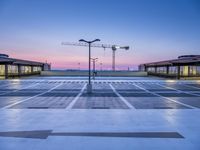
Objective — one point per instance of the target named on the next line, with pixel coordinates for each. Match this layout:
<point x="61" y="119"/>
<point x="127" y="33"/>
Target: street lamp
<point x="101" y="66"/>
<point x="89" y="85"/>
<point x="93" y="61"/>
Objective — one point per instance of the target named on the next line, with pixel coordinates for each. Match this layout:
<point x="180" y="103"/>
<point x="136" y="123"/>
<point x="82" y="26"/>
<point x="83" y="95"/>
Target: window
<point x="198" y="70"/>
<point x="173" y="70"/>
<point x="25" y="69"/>
<point x="162" y="70"/>
<point x="37" y="69"/>
<point x="193" y="70"/>
<point x="151" y="69"/>
<point x="184" y="70"/>
<point x="12" y="69"/>
<point x="2" y="70"/>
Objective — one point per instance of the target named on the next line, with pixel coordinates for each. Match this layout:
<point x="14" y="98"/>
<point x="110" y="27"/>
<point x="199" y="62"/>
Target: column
<point x="6" y="71"/>
<point x="32" y="70"/>
<point x="19" y="70"/>
<point x="178" y="72"/>
<point x="167" y="70"/>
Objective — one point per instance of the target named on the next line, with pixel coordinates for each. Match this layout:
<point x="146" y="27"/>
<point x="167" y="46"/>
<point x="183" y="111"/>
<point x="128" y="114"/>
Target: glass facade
<point x="12" y="69"/>
<point x="162" y="70"/>
<point x="173" y="70"/>
<point x="184" y="70"/>
<point x="2" y="70"/>
<point x="25" y="69"/>
<point x="192" y="70"/>
<point x="37" y="69"/>
<point x="198" y="70"/>
<point x="151" y="69"/>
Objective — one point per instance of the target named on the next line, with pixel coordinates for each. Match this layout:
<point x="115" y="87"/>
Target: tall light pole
<point x="101" y="66"/>
<point x="89" y="85"/>
<point x="94" y="61"/>
<point x="79" y="66"/>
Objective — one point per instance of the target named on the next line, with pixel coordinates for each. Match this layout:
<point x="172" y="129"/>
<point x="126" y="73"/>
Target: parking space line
<point x="6" y="85"/>
<point x="191" y="86"/>
<point x="178" y="90"/>
<point x="121" y="97"/>
<point x="76" y="98"/>
<point x="32" y="97"/>
<point x="32" y="85"/>
<point x="164" y="97"/>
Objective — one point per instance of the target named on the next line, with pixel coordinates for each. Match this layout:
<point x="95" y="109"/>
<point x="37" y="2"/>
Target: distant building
<point x="11" y="67"/>
<point x="184" y="66"/>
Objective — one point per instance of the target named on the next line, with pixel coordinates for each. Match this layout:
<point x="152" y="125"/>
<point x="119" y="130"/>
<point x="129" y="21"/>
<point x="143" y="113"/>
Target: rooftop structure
<point x="183" y="66"/>
<point x="12" y="67"/>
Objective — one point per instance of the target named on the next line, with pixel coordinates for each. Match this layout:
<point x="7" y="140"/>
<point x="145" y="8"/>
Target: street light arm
<point x="96" y="40"/>
<point x="82" y="40"/>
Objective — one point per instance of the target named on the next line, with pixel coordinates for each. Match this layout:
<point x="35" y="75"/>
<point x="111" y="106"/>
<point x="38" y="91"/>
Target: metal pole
<point x="89" y="64"/>
<point x="89" y="85"/>
<point x="113" y="63"/>
<point x="94" y="66"/>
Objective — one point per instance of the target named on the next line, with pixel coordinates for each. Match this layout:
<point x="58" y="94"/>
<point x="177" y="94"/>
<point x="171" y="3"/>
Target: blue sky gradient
<point x="155" y="30"/>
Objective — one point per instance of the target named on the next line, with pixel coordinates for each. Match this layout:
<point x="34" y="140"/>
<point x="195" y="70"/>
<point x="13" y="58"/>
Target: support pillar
<point x="178" y="72"/>
<point x="31" y="69"/>
<point x="19" y="70"/>
<point x="156" y="70"/>
<point x="167" y="70"/>
<point x="6" y="71"/>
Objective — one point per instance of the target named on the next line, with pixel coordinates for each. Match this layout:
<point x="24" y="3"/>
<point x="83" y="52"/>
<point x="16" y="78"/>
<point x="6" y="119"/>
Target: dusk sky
<point x="154" y="29"/>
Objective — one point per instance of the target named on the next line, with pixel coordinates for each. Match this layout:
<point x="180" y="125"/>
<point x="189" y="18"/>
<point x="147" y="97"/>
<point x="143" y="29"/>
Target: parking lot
<point x="121" y="113"/>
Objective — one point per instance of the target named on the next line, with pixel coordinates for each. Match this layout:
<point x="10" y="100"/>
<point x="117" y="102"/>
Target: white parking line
<point x="76" y="98"/>
<point x="121" y="97"/>
<point x="192" y="86"/>
<point x="20" y="89"/>
<point x="163" y="96"/>
<point x="32" y="97"/>
<point x="178" y="90"/>
<point x="2" y="86"/>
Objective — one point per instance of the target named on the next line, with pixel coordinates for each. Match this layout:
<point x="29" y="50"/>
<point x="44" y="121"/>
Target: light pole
<point x="93" y="61"/>
<point x="79" y="66"/>
<point x="89" y="85"/>
<point x="101" y="66"/>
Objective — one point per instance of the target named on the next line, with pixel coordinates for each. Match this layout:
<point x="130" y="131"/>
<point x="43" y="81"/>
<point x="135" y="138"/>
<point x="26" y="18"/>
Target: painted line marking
<point x="31" y="97"/>
<point x="32" y="85"/>
<point x="76" y="98"/>
<point x="164" y="97"/>
<point x="192" y="86"/>
<point x="178" y="90"/>
<point x="122" y="98"/>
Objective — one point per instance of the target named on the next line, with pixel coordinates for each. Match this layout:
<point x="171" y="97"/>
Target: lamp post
<point x="93" y="61"/>
<point x="79" y="66"/>
<point x="101" y="66"/>
<point x="89" y="85"/>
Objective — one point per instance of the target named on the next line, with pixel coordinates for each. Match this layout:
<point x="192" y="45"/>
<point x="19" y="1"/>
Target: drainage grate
<point x="37" y="107"/>
<point x="44" y="134"/>
<point x="99" y="107"/>
<point x="163" y="107"/>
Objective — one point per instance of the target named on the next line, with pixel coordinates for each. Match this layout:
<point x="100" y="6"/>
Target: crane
<point x="104" y="46"/>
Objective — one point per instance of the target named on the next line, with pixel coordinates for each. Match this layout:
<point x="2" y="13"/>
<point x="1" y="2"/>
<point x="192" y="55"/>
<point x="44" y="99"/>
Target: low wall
<point x="99" y="73"/>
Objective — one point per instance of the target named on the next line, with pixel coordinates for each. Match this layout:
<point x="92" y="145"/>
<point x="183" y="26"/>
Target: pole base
<point x="89" y="88"/>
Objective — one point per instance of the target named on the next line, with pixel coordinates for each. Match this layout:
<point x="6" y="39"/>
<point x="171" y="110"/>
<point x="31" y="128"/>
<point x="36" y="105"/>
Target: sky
<point x="154" y="29"/>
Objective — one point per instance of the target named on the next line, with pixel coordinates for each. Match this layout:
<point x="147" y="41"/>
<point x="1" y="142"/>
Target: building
<point x="184" y="66"/>
<point x="11" y="67"/>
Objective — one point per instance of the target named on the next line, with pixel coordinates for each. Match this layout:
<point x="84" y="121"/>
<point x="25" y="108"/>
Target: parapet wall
<point x="99" y="73"/>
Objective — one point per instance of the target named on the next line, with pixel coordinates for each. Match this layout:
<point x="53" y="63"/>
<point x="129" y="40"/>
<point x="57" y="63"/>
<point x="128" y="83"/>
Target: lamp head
<point x="82" y="40"/>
